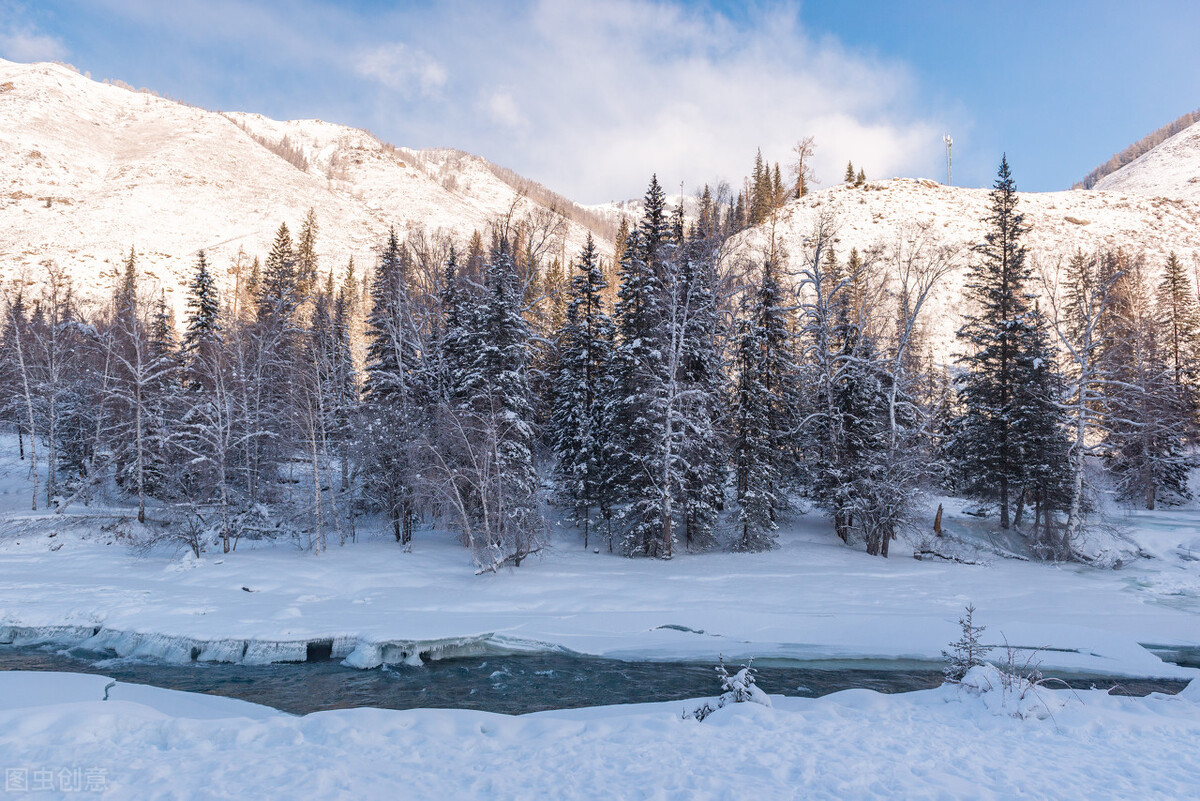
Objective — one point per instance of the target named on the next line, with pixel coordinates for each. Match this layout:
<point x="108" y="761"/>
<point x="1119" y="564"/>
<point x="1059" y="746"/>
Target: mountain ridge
<point x="93" y="169"/>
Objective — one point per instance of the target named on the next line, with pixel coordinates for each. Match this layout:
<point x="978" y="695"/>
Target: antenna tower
<point x="949" y="175"/>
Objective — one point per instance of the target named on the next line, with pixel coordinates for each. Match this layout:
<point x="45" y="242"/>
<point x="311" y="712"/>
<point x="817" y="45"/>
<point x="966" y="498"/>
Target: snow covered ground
<point x="1170" y="169"/>
<point x="56" y="735"/>
<point x="73" y="579"/>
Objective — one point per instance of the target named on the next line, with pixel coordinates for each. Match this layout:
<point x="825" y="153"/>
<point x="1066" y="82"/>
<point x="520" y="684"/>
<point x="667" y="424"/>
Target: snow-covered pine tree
<point x="1040" y="424"/>
<point x="346" y="406"/>
<point x="140" y="372"/>
<point x="856" y="466"/>
<point x="698" y="396"/>
<point x="164" y="390"/>
<point x="967" y="651"/>
<point x="844" y="392"/>
<point x="395" y="395"/>
<point x="638" y="413"/>
<point x="11" y="377"/>
<point x="213" y="435"/>
<point x="918" y="261"/>
<point x="581" y="397"/>
<point x="270" y="409"/>
<point x="774" y="326"/>
<point x="202" y="333"/>
<point x="1080" y="299"/>
<point x="755" y="461"/>
<point x="487" y="466"/>
<point x="1147" y="426"/>
<point x="986" y="445"/>
<point x="49" y="352"/>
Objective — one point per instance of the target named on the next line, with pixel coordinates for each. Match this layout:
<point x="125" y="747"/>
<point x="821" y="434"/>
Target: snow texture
<point x="944" y="743"/>
<point x="1170" y="169"/>
<point x="91" y="169"/>
<point x="881" y="213"/>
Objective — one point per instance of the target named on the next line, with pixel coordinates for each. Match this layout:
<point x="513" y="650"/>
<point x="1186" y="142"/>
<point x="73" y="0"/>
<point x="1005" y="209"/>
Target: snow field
<point x="813" y="599"/>
<point x="942" y="743"/>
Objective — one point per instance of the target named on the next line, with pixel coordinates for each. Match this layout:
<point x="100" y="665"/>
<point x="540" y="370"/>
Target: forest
<point x="675" y="397"/>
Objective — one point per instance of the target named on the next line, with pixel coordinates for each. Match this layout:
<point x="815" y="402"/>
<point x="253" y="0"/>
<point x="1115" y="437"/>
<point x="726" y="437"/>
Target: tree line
<point x="677" y="399"/>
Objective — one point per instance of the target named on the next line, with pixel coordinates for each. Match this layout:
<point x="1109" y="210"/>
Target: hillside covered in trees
<point x="677" y="399"/>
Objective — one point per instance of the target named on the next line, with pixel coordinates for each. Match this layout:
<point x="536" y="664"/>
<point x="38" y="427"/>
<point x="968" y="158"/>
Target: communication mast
<point x="949" y="142"/>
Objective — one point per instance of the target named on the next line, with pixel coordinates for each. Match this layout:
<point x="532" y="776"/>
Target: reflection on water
<point x="509" y="684"/>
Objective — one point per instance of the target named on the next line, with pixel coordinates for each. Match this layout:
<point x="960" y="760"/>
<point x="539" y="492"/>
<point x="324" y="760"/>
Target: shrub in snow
<point x="737" y="689"/>
<point x="1012" y="693"/>
<point x="966" y="652"/>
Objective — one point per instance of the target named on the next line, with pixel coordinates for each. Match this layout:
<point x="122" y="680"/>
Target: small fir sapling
<point x="966" y="652"/>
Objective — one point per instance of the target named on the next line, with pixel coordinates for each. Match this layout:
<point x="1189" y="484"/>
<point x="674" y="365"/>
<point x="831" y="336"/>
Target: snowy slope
<point x="949" y="742"/>
<point x="1171" y="169"/>
<point x="879" y="213"/>
<point x="89" y="170"/>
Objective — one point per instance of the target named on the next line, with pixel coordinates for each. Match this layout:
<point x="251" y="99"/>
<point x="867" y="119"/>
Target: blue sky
<point x="589" y="98"/>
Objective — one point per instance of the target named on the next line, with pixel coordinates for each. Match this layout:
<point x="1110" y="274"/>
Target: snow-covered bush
<point x="966" y="652"/>
<point x="1012" y="693"/>
<point x="739" y="688"/>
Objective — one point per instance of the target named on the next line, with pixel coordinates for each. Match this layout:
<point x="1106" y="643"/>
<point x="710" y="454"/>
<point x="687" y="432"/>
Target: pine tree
<point x="610" y="276"/>
<point x="849" y="457"/>
<point x="1080" y="320"/>
<point x="778" y="371"/>
<point x="270" y="418"/>
<point x="581" y="397"/>
<point x="1179" y="317"/>
<point x="393" y="391"/>
<point x="967" y="651"/>
<point x="1040" y="423"/>
<point x="640" y="376"/>
<point x="699" y="393"/>
<point x="278" y="290"/>
<point x="499" y="403"/>
<point x="306" y="258"/>
<point x="861" y="178"/>
<point x="756" y="473"/>
<point x="849" y="177"/>
<point x="762" y="195"/>
<point x="203" y="324"/>
<point x="163" y="394"/>
<point x="988" y="440"/>
<point x="1147" y="427"/>
<point x="137" y="347"/>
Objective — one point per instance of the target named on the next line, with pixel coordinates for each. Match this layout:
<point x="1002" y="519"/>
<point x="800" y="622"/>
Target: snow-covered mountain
<point x="90" y="170"/>
<point x="1170" y="169"/>
<point x="880" y="213"/>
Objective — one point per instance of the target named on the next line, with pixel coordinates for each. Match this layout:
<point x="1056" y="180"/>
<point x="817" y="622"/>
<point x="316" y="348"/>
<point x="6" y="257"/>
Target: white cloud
<point x="596" y="96"/>
<point x="501" y="108"/>
<point x="25" y="44"/>
<point x="404" y="69"/>
<point x="586" y="97"/>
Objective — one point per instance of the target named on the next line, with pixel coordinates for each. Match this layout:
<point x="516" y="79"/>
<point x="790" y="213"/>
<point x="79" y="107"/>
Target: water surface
<point x="508" y="684"/>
